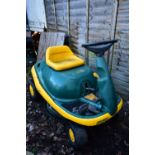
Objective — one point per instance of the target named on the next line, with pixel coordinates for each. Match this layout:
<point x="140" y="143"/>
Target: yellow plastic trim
<point x="91" y="96"/>
<point x="62" y="58"/>
<point x="119" y="106"/>
<point x="71" y="135"/>
<point x="96" y="75"/>
<point x="31" y="90"/>
<point x="82" y="121"/>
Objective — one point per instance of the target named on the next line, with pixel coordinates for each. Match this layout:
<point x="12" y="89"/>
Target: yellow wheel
<point x="77" y="135"/>
<point x="32" y="89"/>
<point x="71" y="135"/>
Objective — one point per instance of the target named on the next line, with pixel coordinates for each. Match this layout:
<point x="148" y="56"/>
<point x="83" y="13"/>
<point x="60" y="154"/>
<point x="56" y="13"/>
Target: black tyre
<point x="54" y="113"/>
<point x="51" y="111"/>
<point x="77" y="135"/>
<point x="32" y="89"/>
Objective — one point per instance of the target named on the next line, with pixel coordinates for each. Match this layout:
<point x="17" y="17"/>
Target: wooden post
<point x="54" y="10"/>
<point x="87" y="27"/>
<point x="45" y="16"/>
<point x="113" y="32"/>
<point x="68" y="15"/>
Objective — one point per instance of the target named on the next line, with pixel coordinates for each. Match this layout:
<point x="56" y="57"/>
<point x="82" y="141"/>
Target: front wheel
<point x="32" y="89"/>
<point x="77" y="135"/>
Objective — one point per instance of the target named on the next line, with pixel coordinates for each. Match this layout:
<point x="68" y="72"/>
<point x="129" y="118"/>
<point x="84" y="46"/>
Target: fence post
<point x="55" y="17"/>
<point x="68" y="15"/>
<point x="113" y="32"/>
<point x="87" y="30"/>
<point x="45" y="15"/>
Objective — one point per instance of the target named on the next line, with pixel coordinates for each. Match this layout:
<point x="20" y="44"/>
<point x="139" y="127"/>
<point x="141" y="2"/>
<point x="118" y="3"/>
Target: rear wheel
<point x="32" y="89"/>
<point x="77" y="135"/>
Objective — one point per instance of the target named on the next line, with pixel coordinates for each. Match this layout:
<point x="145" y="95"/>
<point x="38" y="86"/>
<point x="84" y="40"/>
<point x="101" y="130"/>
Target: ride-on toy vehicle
<point x="74" y="91"/>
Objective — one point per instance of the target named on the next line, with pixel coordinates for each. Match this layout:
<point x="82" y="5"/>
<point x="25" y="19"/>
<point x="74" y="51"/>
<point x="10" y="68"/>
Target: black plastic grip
<point x="99" y="43"/>
<point x="99" y="48"/>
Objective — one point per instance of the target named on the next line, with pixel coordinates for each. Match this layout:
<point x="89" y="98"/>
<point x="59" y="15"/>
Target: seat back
<point x="57" y="53"/>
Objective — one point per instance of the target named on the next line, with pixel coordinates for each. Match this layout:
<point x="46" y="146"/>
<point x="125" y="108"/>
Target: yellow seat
<point x="62" y="58"/>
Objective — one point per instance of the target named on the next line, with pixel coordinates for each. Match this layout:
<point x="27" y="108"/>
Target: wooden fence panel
<point x="100" y="23"/>
<point x="101" y="27"/>
<point x="120" y="64"/>
<point x="50" y="14"/>
<point x="61" y="15"/>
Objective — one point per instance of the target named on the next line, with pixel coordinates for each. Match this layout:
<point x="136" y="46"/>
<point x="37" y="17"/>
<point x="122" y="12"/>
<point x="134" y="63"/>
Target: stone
<point x="29" y="153"/>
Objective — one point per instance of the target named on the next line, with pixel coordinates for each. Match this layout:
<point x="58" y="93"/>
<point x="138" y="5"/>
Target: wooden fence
<point x="92" y="21"/>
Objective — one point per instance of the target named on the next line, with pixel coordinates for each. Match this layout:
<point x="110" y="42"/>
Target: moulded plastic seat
<point x="62" y="58"/>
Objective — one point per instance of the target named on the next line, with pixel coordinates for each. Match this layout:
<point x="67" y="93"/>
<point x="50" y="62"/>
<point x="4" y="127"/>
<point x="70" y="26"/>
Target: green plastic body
<point x="69" y="86"/>
<point x="105" y="85"/>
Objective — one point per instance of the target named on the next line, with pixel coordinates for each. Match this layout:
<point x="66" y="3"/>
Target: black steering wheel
<point x="99" y="48"/>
